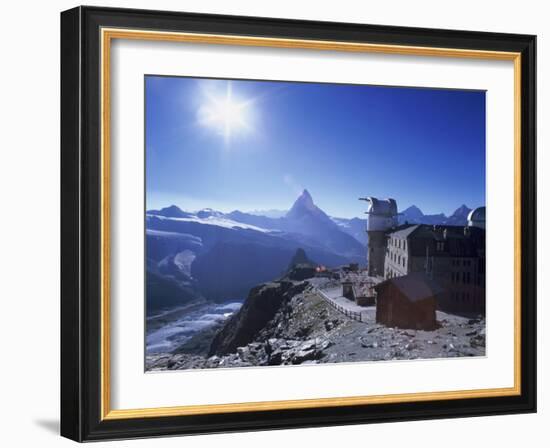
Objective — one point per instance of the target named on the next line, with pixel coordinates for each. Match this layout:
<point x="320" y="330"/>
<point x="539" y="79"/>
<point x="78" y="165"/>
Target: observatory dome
<point x="476" y="218"/>
<point x="382" y="207"/>
<point x="382" y="214"/>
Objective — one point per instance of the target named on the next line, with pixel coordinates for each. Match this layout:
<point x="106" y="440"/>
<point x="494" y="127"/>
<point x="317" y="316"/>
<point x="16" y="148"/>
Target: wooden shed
<point x="348" y="291"/>
<point x="409" y="301"/>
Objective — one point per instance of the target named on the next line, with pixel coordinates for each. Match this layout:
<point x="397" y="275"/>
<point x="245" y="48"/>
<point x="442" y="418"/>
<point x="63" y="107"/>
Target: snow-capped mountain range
<point x="413" y="215"/>
<point x="218" y="256"/>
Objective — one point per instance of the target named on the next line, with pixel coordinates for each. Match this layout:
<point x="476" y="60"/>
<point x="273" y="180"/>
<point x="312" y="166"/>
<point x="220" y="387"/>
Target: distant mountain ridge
<point x="212" y="255"/>
<point x="173" y="211"/>
<point x="308" y="222"/>
<point x="413" y="215"/>
<point x="273" y="219"/>
<point x="270" y="213"/>
<point x="218" y="256"/>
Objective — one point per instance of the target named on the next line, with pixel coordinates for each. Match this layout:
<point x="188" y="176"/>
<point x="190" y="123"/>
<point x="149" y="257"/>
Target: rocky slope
<point x="296" y="326"/>
<point x="261" y="306"/>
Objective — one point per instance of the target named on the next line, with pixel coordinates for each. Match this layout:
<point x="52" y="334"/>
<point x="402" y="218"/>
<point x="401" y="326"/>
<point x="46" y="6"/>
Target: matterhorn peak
<point x="305" y="207"/>
<point x="305" y="198"/>
<point x="304" y="202"/>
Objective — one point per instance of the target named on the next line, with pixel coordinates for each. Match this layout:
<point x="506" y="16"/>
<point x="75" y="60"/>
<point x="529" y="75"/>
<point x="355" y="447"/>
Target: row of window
<point x="390" y="273"/>
<point x="398" y="259"/>
<point x="465" y="278"/>
<point x="465" y="297"/>
<point x="458" y="262"/>
<point x="399" y="243"/>
<point x="456" y="277"/>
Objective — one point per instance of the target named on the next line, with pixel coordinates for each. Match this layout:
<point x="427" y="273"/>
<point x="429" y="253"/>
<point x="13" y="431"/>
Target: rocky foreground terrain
<point x="287" y="323"/>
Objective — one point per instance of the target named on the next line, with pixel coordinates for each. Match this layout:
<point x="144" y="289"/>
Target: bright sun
<point x="226" y="114"/>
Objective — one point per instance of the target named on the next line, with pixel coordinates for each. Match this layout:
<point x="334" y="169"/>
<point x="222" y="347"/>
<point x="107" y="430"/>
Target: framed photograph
<point x="276" y="224"/>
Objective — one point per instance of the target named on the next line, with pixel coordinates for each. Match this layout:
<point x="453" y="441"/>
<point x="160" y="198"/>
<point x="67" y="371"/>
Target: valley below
<point x="178" y="328"/>
<point x="302" y="328"/>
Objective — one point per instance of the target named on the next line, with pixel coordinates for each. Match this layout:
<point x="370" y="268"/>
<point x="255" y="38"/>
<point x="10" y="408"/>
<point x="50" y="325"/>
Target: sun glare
<point x="225" y="113"/>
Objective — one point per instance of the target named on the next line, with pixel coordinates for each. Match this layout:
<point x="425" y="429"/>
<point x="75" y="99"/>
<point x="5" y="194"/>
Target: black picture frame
<point x="81" y="224"/>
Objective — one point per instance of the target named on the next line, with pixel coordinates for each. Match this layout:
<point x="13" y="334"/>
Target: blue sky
<point x="254" y="145"/>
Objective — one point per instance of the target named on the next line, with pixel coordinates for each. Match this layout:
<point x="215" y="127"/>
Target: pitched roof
<point x="404" y="231"/>
<point x="415" y="287"/>
<point x="458" y="242"/>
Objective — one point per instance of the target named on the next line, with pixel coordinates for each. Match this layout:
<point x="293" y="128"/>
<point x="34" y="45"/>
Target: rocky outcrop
<point x="300" y="258"/>
<point x="300" y="267"/>
<point x="307" y="330"/>
<point x="263" y="302"/>
<point x="301" y="272"/>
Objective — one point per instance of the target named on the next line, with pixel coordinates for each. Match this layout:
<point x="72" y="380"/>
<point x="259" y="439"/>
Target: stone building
<point x="453" y="256"/>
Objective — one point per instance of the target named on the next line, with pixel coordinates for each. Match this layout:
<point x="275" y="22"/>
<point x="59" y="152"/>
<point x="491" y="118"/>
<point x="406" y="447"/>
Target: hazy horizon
<point x="284" y="210"/>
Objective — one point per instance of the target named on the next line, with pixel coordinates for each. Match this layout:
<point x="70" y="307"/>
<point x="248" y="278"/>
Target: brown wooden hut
<point x="408" y="301"/>
<point x="348" y="291"/>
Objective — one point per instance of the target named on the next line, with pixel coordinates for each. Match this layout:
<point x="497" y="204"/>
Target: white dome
<point x="476" y="218"/>
<point x="382" y="207"/>
<point x="382" y="214"/>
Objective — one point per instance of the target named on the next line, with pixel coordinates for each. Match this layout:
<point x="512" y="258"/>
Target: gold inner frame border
<point x="107" y="35"/>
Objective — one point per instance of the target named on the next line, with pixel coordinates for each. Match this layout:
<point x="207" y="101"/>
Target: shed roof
<point x="460" y="241"/>
<point x="415" y="287"/>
